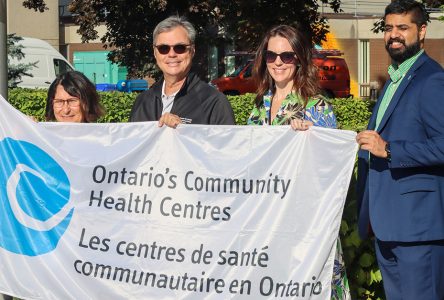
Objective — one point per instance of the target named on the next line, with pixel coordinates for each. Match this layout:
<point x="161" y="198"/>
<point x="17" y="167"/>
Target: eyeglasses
<point x="178" y="49"/>
<point x="58" y="103"/>
<point x="286" y="57"/>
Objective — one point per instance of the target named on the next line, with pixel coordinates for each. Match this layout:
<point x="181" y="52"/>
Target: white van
<point x="49" y="64"/>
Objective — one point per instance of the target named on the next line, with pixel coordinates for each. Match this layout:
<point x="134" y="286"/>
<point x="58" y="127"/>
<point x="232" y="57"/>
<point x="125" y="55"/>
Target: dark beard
<point x="399" y="55"/>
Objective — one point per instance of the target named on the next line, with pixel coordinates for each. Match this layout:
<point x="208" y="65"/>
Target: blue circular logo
<point x="34" y="193"/>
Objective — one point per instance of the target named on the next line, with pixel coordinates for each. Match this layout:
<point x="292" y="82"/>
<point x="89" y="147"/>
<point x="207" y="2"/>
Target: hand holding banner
<point x="143" y="212"/>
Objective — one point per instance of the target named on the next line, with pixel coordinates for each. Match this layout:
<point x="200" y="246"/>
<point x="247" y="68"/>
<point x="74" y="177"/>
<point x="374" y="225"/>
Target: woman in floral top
<point x="288" y="94"/>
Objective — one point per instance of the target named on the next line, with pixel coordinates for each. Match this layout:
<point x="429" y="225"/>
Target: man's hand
<point x="169" y="120"/>
<point x="370" y="140"/>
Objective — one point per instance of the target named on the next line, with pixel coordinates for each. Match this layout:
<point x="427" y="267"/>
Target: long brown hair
<point x="305" y="79"/>
<point x="78" y="85"/>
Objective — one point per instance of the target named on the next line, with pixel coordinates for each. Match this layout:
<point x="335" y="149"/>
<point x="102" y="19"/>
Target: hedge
<point x="352" y="114"/>
<point x="32" y="102"/>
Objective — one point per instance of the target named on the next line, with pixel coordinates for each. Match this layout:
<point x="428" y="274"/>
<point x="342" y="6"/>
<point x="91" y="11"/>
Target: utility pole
<point x="3" y="51"/>
<point x="3" y="71"/>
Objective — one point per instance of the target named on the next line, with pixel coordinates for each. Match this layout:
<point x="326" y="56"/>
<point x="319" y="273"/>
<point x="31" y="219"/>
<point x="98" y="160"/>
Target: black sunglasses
<point x="165" y="49"/>
<point x="286" y="57"/>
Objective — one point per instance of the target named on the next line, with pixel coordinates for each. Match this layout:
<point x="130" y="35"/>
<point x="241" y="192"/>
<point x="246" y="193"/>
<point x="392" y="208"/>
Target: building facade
<point x="350" y="31"/>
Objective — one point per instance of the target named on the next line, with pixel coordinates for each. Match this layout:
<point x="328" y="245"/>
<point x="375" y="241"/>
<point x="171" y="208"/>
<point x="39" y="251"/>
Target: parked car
<point x="334" y="76"/>
<point x="49" y="63"/>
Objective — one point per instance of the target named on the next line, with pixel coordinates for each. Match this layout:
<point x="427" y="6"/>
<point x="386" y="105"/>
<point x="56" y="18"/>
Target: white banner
<point x="133" y="211"/>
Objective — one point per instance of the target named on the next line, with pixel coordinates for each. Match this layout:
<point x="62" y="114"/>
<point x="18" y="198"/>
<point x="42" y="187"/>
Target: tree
<point x="378" y="26"/>
<point x="248" y="20"/>
<point x="16" y="71"/>
<point x="130" y="23"/>
<point x="37" y="5"/>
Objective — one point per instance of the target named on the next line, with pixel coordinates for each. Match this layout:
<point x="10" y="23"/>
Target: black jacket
<point x="195" y="103"/>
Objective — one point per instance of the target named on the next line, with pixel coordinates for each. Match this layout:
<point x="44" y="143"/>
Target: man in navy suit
<point x="401" y="162"/>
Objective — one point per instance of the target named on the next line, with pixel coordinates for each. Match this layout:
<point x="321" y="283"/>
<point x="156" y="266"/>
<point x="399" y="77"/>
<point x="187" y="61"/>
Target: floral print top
<point x="318" y="111"/>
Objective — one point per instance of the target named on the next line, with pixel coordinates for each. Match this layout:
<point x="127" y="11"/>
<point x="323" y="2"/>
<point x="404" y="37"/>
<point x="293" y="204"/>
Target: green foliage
<point x="33" y="102"/>
<point x="364" y="276"/>
<point x="242" y="106"/>
<point x="29" y="101"/>
<point x="37" y="5"/>
<point x="16" y="71"/>
<point x="129" y="24"/>
<point x="352" y="114"/>
<point x="241" y="19"/>
<point x="117" y="106"/>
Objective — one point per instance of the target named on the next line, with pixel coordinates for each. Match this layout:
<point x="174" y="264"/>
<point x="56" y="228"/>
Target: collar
<point x="173" y="94"/>
<point x="397" y="72"/>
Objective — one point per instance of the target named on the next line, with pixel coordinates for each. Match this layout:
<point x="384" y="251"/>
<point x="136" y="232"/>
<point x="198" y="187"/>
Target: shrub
<point x="242" y="106"/>
<point x="28" y="101"/>
<point x="352" y="114"/>
<point x="32" y="103"/>
<point x="117" y="106"/>
<point x="362" y="269"/>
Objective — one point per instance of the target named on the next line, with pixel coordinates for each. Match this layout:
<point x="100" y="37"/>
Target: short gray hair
<point x="173" y="22"/>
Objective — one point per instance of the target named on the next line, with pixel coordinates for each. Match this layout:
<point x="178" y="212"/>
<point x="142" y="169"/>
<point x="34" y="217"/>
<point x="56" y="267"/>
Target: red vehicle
<point x="334" y="77"/>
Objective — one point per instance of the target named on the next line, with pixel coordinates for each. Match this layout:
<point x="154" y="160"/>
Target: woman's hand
<point x="169" y="120"/>
<point x="300" y="124"/>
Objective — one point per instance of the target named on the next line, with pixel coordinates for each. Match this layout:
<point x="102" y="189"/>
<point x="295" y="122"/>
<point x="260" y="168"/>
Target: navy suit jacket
<point x="404" y="198"/>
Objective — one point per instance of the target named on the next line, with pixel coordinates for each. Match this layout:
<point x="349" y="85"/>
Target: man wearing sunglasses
<point x="180" y="96"/>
